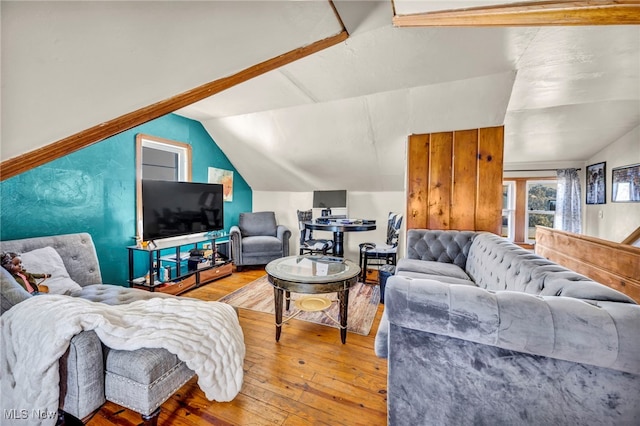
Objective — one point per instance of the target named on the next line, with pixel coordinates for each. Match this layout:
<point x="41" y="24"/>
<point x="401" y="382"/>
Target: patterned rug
<point x="363" y="304"/>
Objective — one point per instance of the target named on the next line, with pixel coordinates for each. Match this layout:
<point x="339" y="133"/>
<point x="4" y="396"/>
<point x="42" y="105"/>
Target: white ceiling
<point x="340" y="118"/>
<point x="336" y="119"/>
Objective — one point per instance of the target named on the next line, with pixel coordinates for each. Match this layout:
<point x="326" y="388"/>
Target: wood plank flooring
<point x="308" y="378"/>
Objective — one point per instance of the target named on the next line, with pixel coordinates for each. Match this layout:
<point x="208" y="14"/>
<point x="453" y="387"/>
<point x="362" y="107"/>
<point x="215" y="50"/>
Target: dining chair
<point x="308" y="244"/>
<point x="382" y="253"/>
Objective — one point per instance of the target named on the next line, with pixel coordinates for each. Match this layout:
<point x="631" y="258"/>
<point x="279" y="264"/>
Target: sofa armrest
<point x="284" y="234"/>
<point x="236" y="244"/>
<point x="597" y="333"/>
<point x="82" y="375"/>
<point x="11" y="293"/>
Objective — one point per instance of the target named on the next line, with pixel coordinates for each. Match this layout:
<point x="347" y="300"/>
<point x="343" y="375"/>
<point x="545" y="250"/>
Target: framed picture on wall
<point x="625" y="184"/>
<point x="224" y="177"/>
<point x="596" y="180"/>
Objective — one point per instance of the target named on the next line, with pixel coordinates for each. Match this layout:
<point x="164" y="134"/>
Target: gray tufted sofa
<point x="479" y="331"/>
<point x="90" y="372"/>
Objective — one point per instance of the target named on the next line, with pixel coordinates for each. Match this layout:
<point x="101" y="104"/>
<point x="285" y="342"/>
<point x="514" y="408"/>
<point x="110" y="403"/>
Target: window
<point x="159" y="159"/>
<point x="541" y="206"/>
<point x="527" y="202"/>
<point x="164" y="160"/>
<point x="508" y="210"/>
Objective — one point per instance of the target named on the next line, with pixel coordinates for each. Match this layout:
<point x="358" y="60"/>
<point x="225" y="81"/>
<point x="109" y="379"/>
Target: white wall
<point x="618" y="219"/>
<point x="362" y="205"/>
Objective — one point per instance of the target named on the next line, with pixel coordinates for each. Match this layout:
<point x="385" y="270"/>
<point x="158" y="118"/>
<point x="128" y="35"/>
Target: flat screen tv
<point x="330" y="199"/>
<point x="170" y="209"/>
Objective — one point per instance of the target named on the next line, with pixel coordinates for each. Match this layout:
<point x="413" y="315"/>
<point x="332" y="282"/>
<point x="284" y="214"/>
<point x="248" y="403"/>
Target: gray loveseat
<point x="90" y="372"/>
<point x="479" y="331"/>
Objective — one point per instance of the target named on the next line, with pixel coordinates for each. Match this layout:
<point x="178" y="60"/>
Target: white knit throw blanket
<point x="36" y="333"/>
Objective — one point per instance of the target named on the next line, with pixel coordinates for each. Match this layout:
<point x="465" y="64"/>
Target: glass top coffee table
<point x="311" y="274"/>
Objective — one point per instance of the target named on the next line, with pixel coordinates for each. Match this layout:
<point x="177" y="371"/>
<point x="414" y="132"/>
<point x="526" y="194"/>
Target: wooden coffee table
<point x="312" y="274"/>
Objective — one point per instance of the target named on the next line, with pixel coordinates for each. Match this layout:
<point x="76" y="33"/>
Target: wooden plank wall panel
<point x="418" y="181"/>
<point x="613" y="264"/>
<point x="440" y="182"/>
<point x="465" y="171"/>
<point x="455" y="180"/>
<point x="490" y="165"/>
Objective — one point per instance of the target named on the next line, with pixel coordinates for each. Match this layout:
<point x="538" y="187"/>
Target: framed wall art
<point x="596" y="181"/>
<point x="625" y="184"/>
<point x="225" y="177"/>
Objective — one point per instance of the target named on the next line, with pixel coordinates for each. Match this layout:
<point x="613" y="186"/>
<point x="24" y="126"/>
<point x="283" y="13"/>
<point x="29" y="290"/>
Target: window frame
<point x="521" y="223"/>
<point x="510" y="211"/>
<point x="183" y="150"/>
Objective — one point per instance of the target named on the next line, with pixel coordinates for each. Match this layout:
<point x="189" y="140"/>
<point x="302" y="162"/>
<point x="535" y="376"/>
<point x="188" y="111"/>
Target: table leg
<point x="343" y="299"/>
<point x="278" y="295"/>
<point x="287" y="298"/>
<point x="338" y="243"/>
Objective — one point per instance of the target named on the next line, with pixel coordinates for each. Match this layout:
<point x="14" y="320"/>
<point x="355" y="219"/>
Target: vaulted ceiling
<point x="338" y="118"/>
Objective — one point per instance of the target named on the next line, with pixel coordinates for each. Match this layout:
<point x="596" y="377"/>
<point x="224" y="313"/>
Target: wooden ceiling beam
<point x="55" y="150"/>
<point x="543" y="13"/>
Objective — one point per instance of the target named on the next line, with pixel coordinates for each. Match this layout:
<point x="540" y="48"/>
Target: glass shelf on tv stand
<point x="169" y="243"/>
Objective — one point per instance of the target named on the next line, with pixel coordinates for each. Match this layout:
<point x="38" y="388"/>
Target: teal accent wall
<point x="93" y="190"/>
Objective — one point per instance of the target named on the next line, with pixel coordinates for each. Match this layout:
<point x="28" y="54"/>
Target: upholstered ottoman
<point x="143" y="379"/>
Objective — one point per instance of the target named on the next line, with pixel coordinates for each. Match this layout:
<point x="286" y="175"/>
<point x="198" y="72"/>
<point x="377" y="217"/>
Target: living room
<point x="354" y="141"/>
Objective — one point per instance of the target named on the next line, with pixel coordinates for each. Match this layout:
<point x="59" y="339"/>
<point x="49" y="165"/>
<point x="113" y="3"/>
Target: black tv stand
<point x="216" y="265"/>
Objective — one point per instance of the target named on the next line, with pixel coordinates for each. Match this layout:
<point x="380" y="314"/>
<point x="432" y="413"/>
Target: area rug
<point x="363" y="304"/>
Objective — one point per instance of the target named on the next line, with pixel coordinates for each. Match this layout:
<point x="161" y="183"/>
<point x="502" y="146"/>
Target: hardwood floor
<point x="308" y="378"/>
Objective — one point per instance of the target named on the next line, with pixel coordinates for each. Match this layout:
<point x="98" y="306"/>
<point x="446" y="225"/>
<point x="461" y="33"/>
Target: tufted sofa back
<point x="496" y="264"/>
<point x="76" y="250"/>
<point x="439" y="246"/>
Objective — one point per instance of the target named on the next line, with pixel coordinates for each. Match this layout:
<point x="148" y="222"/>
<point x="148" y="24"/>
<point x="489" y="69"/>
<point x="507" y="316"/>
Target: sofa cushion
<point x="46" y="260"/>
<point x="261" y="244"/>
<point x="115" y="294"/>
<point x="259" y="223"/>
<point x="440" y="278"/>
<point x="11" y="293"/>
<point x="431" y="268"/>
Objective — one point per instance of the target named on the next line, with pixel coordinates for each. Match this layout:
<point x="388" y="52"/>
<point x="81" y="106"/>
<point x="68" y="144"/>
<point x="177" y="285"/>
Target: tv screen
<point x="171" y="208"/>
<point x="330" y="199"/>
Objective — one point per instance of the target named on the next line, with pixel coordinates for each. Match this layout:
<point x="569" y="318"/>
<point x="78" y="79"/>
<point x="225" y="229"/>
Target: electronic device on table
<point x="330" y="204"/>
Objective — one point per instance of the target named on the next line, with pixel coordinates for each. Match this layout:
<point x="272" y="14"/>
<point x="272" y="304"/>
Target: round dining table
<point x="338" y="229"/>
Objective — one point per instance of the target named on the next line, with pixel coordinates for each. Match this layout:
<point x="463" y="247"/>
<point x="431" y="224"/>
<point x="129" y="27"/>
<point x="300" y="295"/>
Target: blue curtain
<point x="568" y="201"/>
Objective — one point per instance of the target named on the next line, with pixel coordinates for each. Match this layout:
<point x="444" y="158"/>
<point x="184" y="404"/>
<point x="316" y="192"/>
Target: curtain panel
<point x="568" y="202"/>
